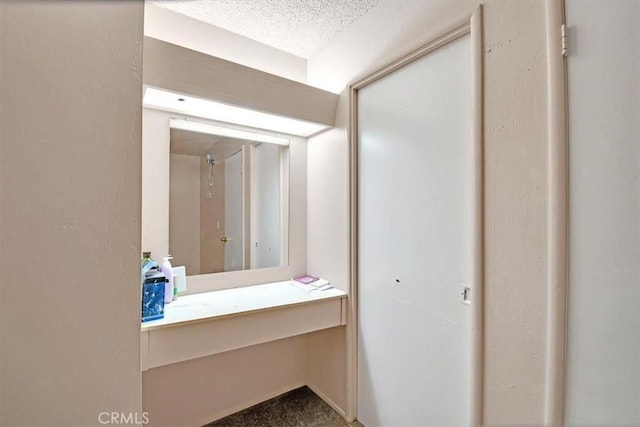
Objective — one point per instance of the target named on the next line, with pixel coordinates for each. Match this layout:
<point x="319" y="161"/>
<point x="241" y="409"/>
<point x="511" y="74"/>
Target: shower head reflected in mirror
<point x="210" y="162"/>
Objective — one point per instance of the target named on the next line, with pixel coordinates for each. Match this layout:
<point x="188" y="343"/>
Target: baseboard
<point x="328" y="401"/>
<point x="221" y="414"/>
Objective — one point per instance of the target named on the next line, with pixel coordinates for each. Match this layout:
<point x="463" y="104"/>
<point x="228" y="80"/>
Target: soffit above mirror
<point x="192" y="73"/>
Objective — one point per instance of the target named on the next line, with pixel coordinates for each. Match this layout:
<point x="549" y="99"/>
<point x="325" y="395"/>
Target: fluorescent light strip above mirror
<point x="192" y="126"/>
<point x="191" y="106"/>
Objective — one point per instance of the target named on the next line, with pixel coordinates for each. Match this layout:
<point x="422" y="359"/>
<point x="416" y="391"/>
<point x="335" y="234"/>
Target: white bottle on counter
<point x="167" y="270"/>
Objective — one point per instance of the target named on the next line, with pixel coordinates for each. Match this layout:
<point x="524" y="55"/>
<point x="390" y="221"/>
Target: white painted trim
<point x="351" y="331"/>
<point x="471" y="25"/>
<point x="557" y="217"/>
<point x="446" y="38"/>
<point x="477" y="288"/>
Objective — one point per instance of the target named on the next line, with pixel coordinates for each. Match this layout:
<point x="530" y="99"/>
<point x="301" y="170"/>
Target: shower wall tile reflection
<point x="185" y="211"/>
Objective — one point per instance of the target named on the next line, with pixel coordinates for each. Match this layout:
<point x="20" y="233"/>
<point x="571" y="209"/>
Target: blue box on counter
<point x="153" y="297"/>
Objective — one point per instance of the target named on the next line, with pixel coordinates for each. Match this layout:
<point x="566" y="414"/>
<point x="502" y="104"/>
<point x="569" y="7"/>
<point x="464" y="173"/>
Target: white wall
<point x="184" y="31"/>
<point x="603" y="354"/>
<point x="70" y="211"/>
<point x="516" y="170"/>
<point x="155" y="182"/>
<point x="516" y="211"/>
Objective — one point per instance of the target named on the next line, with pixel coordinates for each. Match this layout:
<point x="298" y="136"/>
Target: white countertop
<point x="237" y="301"/>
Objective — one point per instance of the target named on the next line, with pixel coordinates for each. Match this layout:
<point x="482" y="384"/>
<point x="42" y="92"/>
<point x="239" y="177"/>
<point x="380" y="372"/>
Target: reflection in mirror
<point x="227" y="198"/>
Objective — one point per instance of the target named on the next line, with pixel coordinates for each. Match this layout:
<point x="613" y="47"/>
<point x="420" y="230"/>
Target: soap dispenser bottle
<point x="167" y="270"/>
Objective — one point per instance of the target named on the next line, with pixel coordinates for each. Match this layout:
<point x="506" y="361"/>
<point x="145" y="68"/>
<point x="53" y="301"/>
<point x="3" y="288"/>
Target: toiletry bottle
<point x="148" y="264"/>
<point x="167" y="270"/>
<point x="146" y="257"/>
<point x="175" y="289"/>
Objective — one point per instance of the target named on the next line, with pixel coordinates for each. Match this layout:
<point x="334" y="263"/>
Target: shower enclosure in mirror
<point x="227" y="198"/>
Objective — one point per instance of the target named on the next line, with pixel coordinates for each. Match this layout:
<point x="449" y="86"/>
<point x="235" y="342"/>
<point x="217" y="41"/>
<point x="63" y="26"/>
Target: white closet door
<point x="266" y="204"/>
<point x="233" y="213"/>
<point x="415" y="234"/>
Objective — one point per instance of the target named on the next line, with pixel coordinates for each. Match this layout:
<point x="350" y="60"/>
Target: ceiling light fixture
<point x="192" y="126"/>
<point x="198" y="107"/>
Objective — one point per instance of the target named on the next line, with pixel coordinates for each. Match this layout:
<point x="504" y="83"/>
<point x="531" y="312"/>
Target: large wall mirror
<point x="228" y="198"/>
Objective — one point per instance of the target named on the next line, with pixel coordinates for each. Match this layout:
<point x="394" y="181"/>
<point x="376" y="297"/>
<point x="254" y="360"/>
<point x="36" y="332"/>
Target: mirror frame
<point x="248" y="198"/>
<point x="155" y="203"/>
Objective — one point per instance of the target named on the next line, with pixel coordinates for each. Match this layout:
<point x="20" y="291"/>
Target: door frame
<point x="472" y="26"/>
<point x="242" y="238"/>
<point x="557" y="214"/>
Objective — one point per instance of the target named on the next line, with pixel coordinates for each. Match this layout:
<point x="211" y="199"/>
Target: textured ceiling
<point x="300" y="27"/>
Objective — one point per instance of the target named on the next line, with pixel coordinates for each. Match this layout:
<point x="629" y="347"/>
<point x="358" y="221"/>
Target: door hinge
<point x="563" y="35"/>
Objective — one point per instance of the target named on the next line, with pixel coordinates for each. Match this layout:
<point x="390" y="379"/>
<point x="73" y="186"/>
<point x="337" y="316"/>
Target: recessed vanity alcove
<point x="225" y="193"/>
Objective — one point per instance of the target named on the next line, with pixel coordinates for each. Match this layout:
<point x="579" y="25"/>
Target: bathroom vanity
<point x="214" y="322"/>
